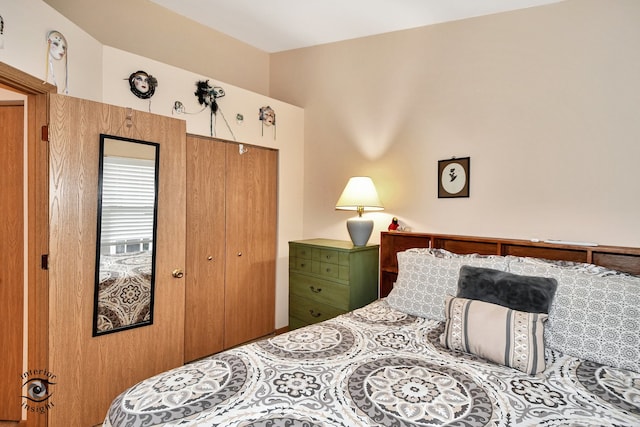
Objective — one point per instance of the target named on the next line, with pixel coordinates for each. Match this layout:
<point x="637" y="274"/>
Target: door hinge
<point x="45" y="133"/>
<point x="44" y="262"/>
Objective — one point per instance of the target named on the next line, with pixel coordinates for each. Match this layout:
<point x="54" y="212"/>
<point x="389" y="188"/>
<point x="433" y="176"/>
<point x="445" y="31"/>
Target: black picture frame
<point x="454" y="177"/>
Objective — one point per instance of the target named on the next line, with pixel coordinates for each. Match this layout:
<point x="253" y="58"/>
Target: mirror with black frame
<point x="126" y="238"/>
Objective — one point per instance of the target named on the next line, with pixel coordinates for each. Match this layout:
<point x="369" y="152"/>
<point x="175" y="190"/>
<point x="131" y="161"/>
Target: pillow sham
<point x="499" y="334"/>
<point x="426" y="276"/>
<point x="595" y="314"/>
<point x="531" y="294"/>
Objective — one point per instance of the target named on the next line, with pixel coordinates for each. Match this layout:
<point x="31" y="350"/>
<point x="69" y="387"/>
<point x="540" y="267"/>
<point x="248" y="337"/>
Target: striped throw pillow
<point x="496" y="333"/>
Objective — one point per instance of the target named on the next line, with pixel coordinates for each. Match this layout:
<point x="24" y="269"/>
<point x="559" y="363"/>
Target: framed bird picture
<point x="453" y="177"/>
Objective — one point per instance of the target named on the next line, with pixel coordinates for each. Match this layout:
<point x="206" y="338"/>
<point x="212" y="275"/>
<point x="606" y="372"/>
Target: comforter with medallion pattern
<point x="376" y="366"/>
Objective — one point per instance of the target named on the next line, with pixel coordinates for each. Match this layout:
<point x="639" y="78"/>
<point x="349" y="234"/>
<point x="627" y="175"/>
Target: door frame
<point x="37" y="104"/>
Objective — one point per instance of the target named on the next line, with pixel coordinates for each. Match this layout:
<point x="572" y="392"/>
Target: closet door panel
<point x="12" y="254"/>
<point x="251" y="192"/>
<point x="92" y="371"/>
<point x="204" y="299"/>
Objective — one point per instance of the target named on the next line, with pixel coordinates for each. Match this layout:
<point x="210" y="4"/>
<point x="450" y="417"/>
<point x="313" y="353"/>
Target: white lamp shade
<point x="359" y="195"/>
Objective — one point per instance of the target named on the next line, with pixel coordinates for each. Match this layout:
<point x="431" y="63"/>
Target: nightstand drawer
<point x="312" y="288"/>
<point x="305" y="265"/>
<point x="304" y="252"/>
<point x="325" y="269"/>
<point x="331" y="271"/>
<point x="331" y="257"/>
<point x="309" y="311"/>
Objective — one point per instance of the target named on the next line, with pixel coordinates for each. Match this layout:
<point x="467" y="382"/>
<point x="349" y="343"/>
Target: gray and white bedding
<point x="382" y="366"/>
<point x="376" y="366"/>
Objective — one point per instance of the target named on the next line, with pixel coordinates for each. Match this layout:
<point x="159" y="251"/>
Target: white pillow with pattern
<point x="426" y="276"/>
<point x="595" y="314"/>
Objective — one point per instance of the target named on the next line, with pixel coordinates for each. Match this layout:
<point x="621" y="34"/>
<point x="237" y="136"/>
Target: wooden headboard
<point x="614" y="257"/>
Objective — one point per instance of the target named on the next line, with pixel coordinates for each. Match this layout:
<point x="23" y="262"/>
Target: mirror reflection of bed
<point x="124" y="290"/>
<point x="128" y="177"/>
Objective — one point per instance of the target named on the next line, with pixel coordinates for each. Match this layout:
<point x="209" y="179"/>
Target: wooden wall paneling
<point x="205" y="272"/>
<point x="251" y="223"/>
<point x="12" y="247"/>
<point x="92" y="371"/>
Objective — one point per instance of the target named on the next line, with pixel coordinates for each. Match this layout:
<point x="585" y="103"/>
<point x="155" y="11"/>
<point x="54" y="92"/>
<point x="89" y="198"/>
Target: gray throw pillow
<point x="530" y="294"/>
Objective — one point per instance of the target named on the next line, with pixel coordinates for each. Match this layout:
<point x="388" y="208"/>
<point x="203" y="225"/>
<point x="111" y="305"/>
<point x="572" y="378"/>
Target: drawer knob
<point x="314" y="289"/>
<point x="314" y="314"/>
<point x="328" y="270"/>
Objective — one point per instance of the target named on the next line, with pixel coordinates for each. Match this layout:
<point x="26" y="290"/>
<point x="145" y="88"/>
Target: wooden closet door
<point x="251" y="193"/>
<point x="204" y="298"/>
<point x="92" y="371"/>
<point x="12" y="256"/>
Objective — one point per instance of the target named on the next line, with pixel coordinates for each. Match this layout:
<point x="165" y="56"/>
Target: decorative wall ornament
<point x="208" y="94"/>
<point x="453" y="177"/>
<point x="178" y="108"/>
<point x="142" y="84"/>
<point x="57" y="50"/>
<point x="1" y="32"/>
<point x="268" y="118"/>
<point x="207" y="97"/>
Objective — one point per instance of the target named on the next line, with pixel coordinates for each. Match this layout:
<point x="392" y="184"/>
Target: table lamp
<point x="359" y="195"/>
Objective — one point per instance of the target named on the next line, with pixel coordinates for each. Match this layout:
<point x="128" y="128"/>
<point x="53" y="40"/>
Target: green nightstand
<point x="328" y="278"/>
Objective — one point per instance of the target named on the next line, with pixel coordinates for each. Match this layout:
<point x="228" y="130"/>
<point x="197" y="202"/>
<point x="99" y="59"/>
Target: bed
<point x="434" y="350"/>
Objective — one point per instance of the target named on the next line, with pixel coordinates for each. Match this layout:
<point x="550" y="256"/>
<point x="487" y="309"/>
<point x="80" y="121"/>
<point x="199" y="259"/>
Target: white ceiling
<point x="277" y="25"/>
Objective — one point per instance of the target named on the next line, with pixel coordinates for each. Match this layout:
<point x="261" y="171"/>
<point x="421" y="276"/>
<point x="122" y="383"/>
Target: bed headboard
<point x="615" y="257"/>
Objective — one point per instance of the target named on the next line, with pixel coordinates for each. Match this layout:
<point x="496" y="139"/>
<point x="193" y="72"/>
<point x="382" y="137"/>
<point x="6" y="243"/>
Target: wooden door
<point x="36" y="238"/>
<point x="92" y="371"/>
<point x="12" y="253"/>
<point x="204" y="295"/>
<point x="251" y="224"/>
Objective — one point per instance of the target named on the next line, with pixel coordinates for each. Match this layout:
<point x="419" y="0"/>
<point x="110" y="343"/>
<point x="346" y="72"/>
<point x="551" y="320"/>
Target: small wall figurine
<point x="394" y="224"/>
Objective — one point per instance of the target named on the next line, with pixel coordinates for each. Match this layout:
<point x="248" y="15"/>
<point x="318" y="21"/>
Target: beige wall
<point x="154" y="32"/>
<point x="544" y="100"/>
<point x="25" y="48"/>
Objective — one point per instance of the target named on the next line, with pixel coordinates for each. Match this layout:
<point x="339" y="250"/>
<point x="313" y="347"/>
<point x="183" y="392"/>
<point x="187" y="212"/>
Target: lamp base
<point x="359" y="230"/>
